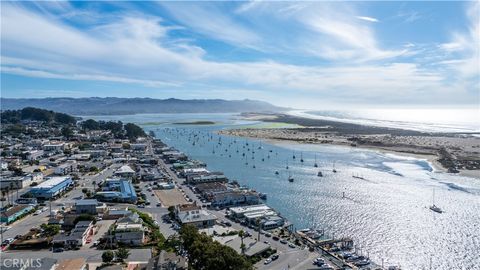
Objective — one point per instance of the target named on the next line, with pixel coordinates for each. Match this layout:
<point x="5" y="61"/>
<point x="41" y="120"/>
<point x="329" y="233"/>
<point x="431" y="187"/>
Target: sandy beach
<point x="450" y="152"/>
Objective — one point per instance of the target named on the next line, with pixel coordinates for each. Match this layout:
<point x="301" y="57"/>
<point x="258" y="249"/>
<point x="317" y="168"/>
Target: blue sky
<point x="299" y="54"/>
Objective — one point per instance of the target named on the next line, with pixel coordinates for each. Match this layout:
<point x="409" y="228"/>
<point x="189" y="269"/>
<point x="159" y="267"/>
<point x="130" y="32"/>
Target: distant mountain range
<point x="112" y="105"/>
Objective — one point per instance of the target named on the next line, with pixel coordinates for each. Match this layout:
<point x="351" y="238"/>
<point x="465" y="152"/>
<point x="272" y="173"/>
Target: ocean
<point x="428" y="120"/>
<point x="385" y="211"/>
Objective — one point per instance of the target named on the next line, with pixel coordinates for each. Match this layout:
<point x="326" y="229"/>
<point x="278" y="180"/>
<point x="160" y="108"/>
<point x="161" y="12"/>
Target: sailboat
<point x="315" y="164"/>
<point x="320" y="174"/>
<point x="301" y="157"/>
<point x="334" y="170"/>
<point x="293" y="155"/>
<point x="433" y="207"/>
<point x="286" y="167"/>
<point x="290" y="178"/>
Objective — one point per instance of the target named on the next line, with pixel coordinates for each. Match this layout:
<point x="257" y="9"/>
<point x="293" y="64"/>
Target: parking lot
<point x="170" y="197"/>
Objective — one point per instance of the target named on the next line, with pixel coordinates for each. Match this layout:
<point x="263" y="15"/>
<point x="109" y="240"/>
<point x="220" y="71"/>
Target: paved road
<point x="91" y="255"/>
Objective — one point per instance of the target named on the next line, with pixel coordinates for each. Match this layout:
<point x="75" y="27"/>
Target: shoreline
<point x="458" y="154"/>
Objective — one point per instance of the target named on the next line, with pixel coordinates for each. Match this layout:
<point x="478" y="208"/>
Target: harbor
<point x="378" y="212"/>
<point x="332" y="252"/>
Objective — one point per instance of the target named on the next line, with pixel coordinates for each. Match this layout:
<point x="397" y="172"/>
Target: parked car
<point x="267" y="261"/>
<point x="274" y="257"/>
<point x="283" y="241"/>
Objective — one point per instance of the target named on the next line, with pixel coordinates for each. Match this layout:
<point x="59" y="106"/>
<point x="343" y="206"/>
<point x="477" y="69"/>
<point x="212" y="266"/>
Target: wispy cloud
<point x="368" y="19"/>
<point x="350" y="62"/>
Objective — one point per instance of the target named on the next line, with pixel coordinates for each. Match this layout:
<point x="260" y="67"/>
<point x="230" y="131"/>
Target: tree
<point x="122" y="254"/>
<point x="107" y="256"/>
<point x="205" y="253"/>
<point x="133" y="131"/>
<point x="67" y="132"/>
<point x="50" y="230"/>
<point x="90" y="124"/>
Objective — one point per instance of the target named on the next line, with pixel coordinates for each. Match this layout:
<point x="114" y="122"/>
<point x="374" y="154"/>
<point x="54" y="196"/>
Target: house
<point x="129" y="230"/>
<point x="54" y="147"/>
<point x="125" y="172"/>
<point x="114" y="214"/>
<point x="66" y="168"/>
<point x="138" y="146"/>
<point x="72" y="264"/>
<point x="34" y="154"/>
<point x="77" y="237"/>
<point x="194" y="215"/>
<point x="15" y="212"/>
<point x="167" y="261"/>
<point x="3" y="165"/>
<point x="88" y="206"/>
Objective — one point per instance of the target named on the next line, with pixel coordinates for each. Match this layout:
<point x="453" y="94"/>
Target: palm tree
<point x="241" y="233"/>
<point x="93" y="184"/>
<point x="7" y="191"/>
<point x="11" y="188"/>
<point x="3" y="197"/>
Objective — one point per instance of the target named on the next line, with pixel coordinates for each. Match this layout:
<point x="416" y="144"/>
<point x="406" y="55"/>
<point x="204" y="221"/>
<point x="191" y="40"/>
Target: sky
<point x="297" y="54"/>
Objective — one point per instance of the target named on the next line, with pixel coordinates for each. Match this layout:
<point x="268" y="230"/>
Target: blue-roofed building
<point x="117" y="190"/>
<point x="51" y="188"/>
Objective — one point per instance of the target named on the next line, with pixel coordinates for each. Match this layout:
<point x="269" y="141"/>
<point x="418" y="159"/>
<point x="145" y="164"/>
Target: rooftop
<point x="52" y="182"/>
<point x="71" y="264"/>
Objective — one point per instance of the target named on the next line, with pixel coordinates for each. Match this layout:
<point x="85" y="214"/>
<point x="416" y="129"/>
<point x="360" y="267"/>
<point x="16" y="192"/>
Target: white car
<point x="38" y="212"/>
<point x="267" y="261"/>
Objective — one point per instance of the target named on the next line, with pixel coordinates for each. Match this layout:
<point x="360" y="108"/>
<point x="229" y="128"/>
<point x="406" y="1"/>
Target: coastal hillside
<point x="35" y="114"/>
<point x="113" y="106"/>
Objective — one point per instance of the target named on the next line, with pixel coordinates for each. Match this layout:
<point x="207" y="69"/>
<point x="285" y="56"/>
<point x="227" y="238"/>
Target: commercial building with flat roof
<point x="117" y="190"/>
<point x="51" y="188"/>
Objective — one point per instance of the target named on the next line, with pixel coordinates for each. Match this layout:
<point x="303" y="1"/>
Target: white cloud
<point x="139" y="50"/>
<point x="208" y="20"/>
<point x="465" y="48"/>
<point x="368" y="19"/>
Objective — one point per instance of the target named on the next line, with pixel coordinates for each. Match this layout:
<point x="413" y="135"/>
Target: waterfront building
<point x="208" y="178"/>
<point x="194" y="215"/>
<point x="258" y="214"/>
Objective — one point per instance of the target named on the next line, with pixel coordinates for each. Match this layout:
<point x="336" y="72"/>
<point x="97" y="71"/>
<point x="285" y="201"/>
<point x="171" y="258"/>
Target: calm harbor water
<point x="386" y="212"/>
